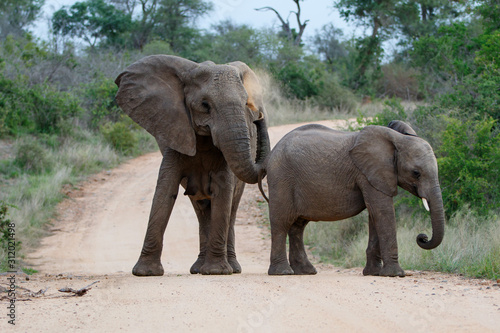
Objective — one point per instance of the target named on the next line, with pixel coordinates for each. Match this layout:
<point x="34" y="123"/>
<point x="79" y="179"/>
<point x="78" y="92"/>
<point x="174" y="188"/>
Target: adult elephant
<point x="319" y="174"/>
<point x="209" y="122"/>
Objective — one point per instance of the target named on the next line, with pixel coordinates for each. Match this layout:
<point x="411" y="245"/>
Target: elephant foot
<point x="235" y="265"/>
<point x="196" y="267"/>
<point x="392" y="270"/>
<point x="148" y="268"/>
<point x="303" y="268"/>
<point x="280" y="269"/>
<point x="373" y="269"/>
<point x="216" y="267"/>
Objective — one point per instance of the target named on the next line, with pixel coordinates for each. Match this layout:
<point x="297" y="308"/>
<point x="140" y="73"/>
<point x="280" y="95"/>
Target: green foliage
<point x="5" y="225"/>
<point x="470" y="165"/>
<point x="37" y="109"/>
<point x="92" y="20"/>
<point x="228" y="42"/>
<point x="100" y="101"/>
<point x="17" y="15"/>
<point x="333" y="95"/>
<point x="366" y="64"/>
<point x="120" y="136"/>
<point x="31" y="156"/>
<point x="298" y="79"/>
<point x="489" y="12"/>
<point x="448" y="54"/>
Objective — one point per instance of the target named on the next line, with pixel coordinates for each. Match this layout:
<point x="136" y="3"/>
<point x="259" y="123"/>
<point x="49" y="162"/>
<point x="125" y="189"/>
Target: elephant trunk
<point x="437" y="219"/>
<point x="234" y="142"/>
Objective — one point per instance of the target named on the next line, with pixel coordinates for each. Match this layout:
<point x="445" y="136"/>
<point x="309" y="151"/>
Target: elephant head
<point x="176" y="100"/>
<point x="388" y="158"/>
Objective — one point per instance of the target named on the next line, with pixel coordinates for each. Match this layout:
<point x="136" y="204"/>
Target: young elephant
<point x="319" y="174"/>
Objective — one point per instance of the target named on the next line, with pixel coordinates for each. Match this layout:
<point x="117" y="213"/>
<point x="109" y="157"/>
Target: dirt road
<point x="99" y="235"/>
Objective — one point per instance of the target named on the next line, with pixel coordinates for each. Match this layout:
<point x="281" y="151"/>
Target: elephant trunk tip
<point x="426" y="244"/>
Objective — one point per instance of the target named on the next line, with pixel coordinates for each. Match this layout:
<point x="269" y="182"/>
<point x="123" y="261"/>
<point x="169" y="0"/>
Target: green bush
<point x="37" y="109"/>
<point x="99" y="99"/>
<point x="120" y="136"/>
<point x="333" y="95"/>
<point x="469" y="165"/>
<point x="31" y="156"/>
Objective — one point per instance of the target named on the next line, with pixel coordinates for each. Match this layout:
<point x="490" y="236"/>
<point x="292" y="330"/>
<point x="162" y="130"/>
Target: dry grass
<point x="283" y="110"/>
<point x="34" y="195"/>
<point x="471" y="245"/>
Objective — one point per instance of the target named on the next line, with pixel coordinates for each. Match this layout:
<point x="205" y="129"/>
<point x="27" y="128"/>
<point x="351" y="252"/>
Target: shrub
<point x="37" y="109"/>
<point x="31" y="156"/>
<point x="335" y="96"/>
<point x="99" y="99"/>
<point x="120" y="136"/>
<point x="399" y="81"/>
<point x="469" y="165"/>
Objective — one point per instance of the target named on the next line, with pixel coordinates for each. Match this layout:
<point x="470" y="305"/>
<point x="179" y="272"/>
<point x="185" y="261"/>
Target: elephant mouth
<point x="203" y="130"/>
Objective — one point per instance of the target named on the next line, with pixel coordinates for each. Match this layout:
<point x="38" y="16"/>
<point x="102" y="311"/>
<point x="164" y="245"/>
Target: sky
<point x="318" y="12"/>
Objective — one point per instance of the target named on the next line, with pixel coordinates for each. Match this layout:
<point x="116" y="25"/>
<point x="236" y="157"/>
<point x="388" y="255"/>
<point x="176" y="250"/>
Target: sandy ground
<point x="98" y="237"/>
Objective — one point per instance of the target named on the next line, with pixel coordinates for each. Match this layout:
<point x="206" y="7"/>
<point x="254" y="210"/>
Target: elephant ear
<point x="151" y="92"/>
<point x="374" y="154"/>
<point x="402" y="127"/>
<point x="252" y="86"/>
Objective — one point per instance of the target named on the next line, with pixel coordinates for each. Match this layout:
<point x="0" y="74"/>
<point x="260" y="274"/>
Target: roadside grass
<point x="33" y="175"/>
<point x="283" y="110"/>
<point x="471" y="245"/>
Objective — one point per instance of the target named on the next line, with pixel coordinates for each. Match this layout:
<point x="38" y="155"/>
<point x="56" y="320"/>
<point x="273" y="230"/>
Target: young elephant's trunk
<point x="437" y="219"/>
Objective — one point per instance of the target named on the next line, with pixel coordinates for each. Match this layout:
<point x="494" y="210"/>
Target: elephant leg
<point x="203" y="212"/>
<point x="298" y="256"/>
<point x="279" y="228"/>
<point x="167" y="187"/>
<point x="231" y="239"/>
<point x="216" y="253"/>
<point x="373" y="258"/>
<point x="381" y="208"/>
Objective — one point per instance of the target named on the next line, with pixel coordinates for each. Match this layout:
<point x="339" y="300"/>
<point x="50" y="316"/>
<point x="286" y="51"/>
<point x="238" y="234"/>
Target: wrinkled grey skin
<point x="209" y="122"/>
<point x="319" y="174"/>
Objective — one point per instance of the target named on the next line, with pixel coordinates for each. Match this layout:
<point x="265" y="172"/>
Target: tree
<point x="170" y="21"/>
<point x="17" y="15"/>
<point x="93" y="21"/>
<point x="377" y="15"/>
<point x="291" y="34"/>
<point x="228" y="42"/>
<point x="173" y="21"/>
<point x="418" y="18"/>
<point x="328" y="45"/>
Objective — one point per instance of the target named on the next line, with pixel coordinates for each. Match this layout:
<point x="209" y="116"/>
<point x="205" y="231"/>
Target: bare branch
<point x="79" y="292"/>
<point x="302" y="26"/>
<point x="285" y="25"/>
<point x="274" y="10"/>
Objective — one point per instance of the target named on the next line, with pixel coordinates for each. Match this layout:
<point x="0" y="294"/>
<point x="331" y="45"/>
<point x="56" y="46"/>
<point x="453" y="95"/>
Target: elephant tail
<point x="262" y="174"/>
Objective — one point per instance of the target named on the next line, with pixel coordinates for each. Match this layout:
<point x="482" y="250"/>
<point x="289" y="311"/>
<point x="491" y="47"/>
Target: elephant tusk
<point x="426" y="204"/>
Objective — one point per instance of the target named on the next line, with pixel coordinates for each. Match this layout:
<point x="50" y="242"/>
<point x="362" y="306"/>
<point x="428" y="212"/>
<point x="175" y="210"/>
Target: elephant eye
<point x="416" y="174"/>
<point x="206" y="106"/>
